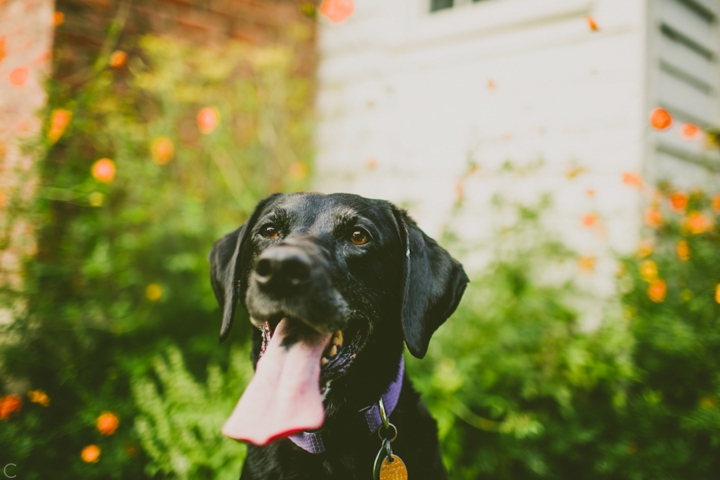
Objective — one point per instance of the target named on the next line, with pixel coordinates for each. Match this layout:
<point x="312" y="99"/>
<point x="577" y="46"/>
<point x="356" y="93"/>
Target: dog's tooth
<point x="323" y="361"/>
<point x="338" y="338"/>
<point x="333" y="351"/>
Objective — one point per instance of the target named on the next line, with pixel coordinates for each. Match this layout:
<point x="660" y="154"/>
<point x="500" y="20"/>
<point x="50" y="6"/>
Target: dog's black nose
<point x="283" y="265"/>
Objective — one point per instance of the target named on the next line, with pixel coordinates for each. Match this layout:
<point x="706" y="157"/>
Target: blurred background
<point x="568" y="151"/>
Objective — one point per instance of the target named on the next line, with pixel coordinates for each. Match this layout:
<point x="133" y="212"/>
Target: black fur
<point x="401" y="285"/>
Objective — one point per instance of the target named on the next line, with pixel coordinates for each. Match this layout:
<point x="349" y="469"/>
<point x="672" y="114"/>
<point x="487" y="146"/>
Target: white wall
<point x="408" y="91"/>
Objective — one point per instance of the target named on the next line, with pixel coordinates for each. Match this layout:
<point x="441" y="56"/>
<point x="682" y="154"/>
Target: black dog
<point x="334" y="283"/>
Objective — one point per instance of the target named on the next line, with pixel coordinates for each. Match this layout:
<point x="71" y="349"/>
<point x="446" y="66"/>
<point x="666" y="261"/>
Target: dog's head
<point x="327" y="278"/>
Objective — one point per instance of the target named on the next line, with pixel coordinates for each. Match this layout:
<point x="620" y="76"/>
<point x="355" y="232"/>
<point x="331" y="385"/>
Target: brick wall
<point x="80" y="37"/>
<point x="25" y="40"/>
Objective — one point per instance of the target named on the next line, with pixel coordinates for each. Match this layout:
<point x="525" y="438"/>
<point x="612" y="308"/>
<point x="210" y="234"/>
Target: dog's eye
<point x="360" y="237"/>
<point x="269" y="231"/>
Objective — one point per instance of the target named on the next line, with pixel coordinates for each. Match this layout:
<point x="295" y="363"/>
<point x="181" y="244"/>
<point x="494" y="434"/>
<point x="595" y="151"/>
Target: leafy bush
<point x="141" y="169"/>
<point x="179" y="421"/>
<point x="672" y="303"/>
<point x="521" y="391"/>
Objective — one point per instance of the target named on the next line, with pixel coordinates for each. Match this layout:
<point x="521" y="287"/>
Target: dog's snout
<point x="283" y="265"/>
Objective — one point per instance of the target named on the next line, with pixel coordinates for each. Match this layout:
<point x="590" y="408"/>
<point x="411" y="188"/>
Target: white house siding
<point x="684" y="78"/>
<point x="407" y="91"/>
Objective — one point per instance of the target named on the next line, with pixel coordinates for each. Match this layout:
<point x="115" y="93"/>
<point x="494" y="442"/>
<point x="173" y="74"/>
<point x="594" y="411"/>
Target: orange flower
<point x="715" y="203"/>
<point x="679" y="201"/>
<point x="153" y="292"/>
<point x="657" y="290"/>
<point x="337" y="10"/>
<point x="717" y="293"/>
<point x="591" y="23"/>
<point x="118" y="58"/>
<point x="696" y="223"/>
<point x="660" y="119"/>
<point x="208" y="119"/>
<point x="103" y="170"/>
<point x="689" y="131"/>
<point x="59" y="120"/>
<point x="9" y="405"/>
<point x="90" y="454"/>
<point x="2" y="48"/>
<point x="648" y="271"/>
<point x="39" y="397"/>
<point x="653" y="218"/>
<point x="586" y="264"/>
<point x="19" y="76"/>
<point x="683" y="250"/>
<point x="163" y="150"/>
<point x="589" y="220"/>
<point x="107" y="423"/>
<point x="297" y="170"/>
<point x="645" y="248"/>
<point x="632" y="179"/>
<point x="58" y="18"/>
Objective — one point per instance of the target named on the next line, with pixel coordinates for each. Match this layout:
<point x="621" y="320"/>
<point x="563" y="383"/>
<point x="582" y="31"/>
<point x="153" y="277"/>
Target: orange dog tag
<point x="393" y="469"/>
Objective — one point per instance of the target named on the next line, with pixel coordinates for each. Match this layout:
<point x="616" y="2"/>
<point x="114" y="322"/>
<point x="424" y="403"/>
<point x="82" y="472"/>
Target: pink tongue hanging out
<point x="283" y="396"/>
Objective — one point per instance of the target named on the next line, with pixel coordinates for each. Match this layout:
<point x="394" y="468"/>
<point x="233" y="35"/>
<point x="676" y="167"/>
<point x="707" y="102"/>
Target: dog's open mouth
<point x="293" y="375"/>
<point x="338" y="355"/>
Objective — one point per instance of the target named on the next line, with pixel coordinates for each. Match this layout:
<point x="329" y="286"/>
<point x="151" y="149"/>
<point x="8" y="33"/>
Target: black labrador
<point x="334" y="283"/>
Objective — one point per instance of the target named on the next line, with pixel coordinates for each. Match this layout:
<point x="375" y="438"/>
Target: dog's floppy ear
<point x="224" y="261"/>
<point x="433" y="283"/>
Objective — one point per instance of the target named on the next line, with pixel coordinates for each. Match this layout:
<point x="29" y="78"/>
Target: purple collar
<point x="313" y="442"/>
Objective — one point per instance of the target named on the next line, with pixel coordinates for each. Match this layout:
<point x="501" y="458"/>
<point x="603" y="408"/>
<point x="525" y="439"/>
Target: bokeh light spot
<point x="90" y="454"/>
<point x="103" y="170"/>
<point x="163" y="150"/>
<point x="337" y="10"/>
<point x="39" y="397"/>
<point x="208" y="119"/>
<point x="107" y="423"/>
<point x="117" y="59"/>
<point x="592" y="24"/>
<point x="96" y="199"/>
<point x="153" y="292"/>
<point x="19" y="76"/>
<point x="660" y="119"/>
<point x="657" y="290"/>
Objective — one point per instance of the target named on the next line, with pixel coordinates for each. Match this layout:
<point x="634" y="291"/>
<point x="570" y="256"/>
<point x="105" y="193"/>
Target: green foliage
<point x="673" y="419"/>
<point x="515" y="383"/>
<point x="120" y="270"/>
<point x="181" y="417"/>
<point x="521" y="391"/>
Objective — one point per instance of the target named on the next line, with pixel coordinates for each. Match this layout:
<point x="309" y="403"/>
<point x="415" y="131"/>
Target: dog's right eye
<point x="269" y="231"/>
